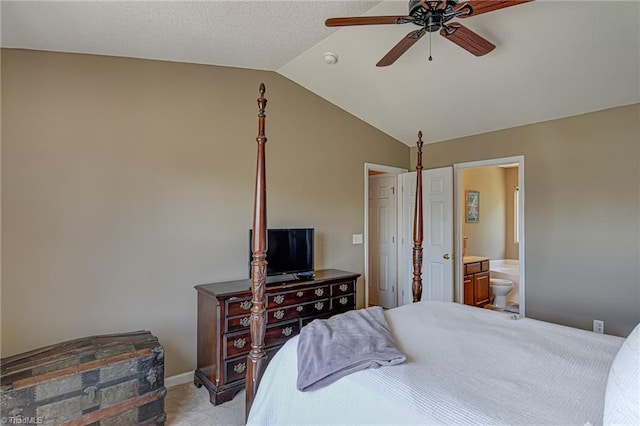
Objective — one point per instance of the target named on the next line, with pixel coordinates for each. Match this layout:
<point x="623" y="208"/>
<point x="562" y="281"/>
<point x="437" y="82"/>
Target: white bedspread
<point x="464" y="365"/>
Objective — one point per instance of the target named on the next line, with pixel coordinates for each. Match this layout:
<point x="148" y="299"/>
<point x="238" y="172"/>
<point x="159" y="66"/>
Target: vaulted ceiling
<point x="552" y="58"/>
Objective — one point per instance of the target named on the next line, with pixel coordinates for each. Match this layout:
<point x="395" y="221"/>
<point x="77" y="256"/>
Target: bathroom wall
<point x="511" y="248"/>
<point x="486" y="237"/>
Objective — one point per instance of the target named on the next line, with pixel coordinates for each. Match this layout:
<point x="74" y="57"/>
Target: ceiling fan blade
<point x="467" y="39"/>
<point x="402" y="46"/>
<point x="367" y="20"/>
<point x="484" y="6"/>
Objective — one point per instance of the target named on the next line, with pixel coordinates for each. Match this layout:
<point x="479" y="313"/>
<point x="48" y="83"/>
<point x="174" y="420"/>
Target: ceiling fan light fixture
<point x="330" y="58"/>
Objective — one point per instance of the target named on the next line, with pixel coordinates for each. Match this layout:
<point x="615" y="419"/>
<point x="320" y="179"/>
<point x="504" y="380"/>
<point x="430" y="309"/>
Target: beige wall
<point x="127" y="182"/>
<point x="582" y="204"/>
<point x="487" y="236"/>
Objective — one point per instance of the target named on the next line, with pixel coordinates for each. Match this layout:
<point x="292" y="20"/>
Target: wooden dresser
<point x="477" y="290"/>
<point x="223" y="323"/>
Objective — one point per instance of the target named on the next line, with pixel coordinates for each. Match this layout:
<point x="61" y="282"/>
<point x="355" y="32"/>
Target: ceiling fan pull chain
<point x="430" y="58"/>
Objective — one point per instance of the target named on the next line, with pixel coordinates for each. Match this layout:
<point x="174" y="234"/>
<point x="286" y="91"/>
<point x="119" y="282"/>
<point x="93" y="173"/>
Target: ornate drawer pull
<point x="279" y="314"/>
<point x="239" y="343"/>
<point x="319" y="305"/>
<point x="300" y="308"/>
<point x="343" y="300"/>
<point x="287" y="331"/>
<point x="319" y="291"/>
<point x="246" y="305"/>
<point x="300" y="293"/>
<point x="245" y="321"/>
<point x="343" y="287"/>
<point x="278" y="299"/>
<point x="240" y="367"/>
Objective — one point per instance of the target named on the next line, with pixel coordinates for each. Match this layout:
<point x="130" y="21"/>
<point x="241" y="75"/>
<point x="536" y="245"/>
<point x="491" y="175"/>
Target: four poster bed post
<point x="416" y="286"/>
<point x="256" y="360"/>
<point x="257" y="356"/>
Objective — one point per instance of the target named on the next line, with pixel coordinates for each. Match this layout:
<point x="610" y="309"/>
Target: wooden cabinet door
<point x="468" y="290"/>
<point x="482" y="290"/>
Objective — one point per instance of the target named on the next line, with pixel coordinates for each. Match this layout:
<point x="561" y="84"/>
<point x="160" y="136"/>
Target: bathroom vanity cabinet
<point x="476" y="288"/>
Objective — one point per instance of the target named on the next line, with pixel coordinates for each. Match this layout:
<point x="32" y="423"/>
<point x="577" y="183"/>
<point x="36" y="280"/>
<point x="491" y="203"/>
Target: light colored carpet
<point x="188" y="405"/>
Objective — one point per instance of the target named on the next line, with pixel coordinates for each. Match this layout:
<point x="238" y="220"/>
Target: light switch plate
<point x="357" y="238"/>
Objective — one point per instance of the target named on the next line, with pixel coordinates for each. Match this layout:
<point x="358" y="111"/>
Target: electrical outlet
<point x="598" y="326"/>
<point x="357" y="238"/>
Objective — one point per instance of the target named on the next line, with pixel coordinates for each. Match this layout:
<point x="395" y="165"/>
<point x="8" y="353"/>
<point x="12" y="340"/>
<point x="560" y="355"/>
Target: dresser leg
<point x="222" y="396"/>
<point x="217" y="395"/>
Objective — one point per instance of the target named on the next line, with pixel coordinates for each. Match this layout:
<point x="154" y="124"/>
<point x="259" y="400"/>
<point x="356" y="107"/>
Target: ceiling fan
<point x="431" y="16"/>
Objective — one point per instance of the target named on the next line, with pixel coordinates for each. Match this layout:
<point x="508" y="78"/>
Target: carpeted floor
<point x="188" y="405"/>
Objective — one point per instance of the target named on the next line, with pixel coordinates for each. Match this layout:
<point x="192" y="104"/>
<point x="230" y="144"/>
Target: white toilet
<point x="499" y="290"/>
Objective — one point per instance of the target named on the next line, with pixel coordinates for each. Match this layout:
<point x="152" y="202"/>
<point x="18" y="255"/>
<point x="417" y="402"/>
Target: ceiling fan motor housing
<point x="432" y="19"/>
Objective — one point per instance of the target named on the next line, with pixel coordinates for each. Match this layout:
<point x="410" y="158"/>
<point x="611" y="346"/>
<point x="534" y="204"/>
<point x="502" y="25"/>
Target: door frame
<point x="384" y="169"/>
<point x="458" y="217"/>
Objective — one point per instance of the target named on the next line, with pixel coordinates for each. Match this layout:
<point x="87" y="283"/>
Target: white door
<point x="437" y="262"/>
<point x="382" y="241"/>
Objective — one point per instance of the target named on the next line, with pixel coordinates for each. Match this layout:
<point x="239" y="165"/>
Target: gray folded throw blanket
<point x="343" y="344"/>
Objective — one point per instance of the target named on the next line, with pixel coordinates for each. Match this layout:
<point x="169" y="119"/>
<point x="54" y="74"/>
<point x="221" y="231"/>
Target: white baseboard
<point x="178" y="379"/>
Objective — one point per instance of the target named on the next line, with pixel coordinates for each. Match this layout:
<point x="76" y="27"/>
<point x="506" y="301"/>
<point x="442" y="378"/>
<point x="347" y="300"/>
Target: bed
<point x="464" y="365"/>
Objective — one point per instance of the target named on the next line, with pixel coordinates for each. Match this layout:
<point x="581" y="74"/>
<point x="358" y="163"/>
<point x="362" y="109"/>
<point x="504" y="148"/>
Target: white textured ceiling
<point x="552" y="58"/>
<point x="248" y="34"/>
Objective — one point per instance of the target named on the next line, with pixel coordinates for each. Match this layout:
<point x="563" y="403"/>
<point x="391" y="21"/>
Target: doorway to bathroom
<point x="489" y="233"/>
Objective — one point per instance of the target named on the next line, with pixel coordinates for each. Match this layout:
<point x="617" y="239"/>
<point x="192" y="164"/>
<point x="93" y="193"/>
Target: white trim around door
<point x="383" y="169"/>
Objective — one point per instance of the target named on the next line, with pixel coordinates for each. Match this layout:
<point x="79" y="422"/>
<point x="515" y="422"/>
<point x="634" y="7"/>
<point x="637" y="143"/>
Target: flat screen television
<point x="289" y="251"/>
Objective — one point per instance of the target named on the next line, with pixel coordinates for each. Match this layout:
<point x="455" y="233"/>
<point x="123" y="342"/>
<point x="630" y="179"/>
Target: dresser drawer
<point x="295" y="297"/>
<point x="235" y="369"/>
<point x="305" y="309"/>
<point x="237" y="323"/>
<point x="280" y="333"/>
<point x="340" y="303"/>
<point x="343" y="288"/>
<point x="240" y="343"/>
<point x="237" y="344"/>
<point x="238" y="306"/>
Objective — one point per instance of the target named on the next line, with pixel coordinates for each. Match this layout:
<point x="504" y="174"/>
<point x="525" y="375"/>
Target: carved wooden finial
<point x="262" y="101"/>
<point x="262" y="104"/>
<point x="419" y="144"/>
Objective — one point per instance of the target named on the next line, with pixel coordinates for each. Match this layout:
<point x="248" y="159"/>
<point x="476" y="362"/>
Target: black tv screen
<point x="288" y="251"/>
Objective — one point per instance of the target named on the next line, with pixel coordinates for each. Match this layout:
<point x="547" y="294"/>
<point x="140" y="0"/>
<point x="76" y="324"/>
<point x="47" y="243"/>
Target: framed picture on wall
<point x="473" y="206"/>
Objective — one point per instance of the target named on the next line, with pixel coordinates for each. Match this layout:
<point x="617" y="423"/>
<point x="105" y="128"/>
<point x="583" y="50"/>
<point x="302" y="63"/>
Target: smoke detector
<point x="330" y="58"/>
